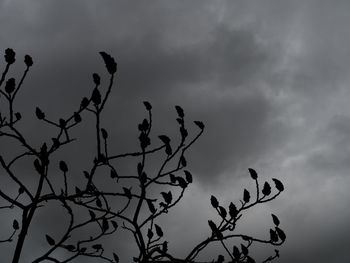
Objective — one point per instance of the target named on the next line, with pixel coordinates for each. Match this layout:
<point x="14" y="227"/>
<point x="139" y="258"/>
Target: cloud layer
<point x="270" y="81"/>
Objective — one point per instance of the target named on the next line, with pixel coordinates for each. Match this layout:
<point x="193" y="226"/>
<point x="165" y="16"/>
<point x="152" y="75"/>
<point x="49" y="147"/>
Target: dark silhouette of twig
<point x="139" y="211"/>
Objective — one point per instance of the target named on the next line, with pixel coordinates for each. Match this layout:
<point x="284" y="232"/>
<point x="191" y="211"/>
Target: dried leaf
<point x="97" y="246"/>
<point x="96" y="96"/>
<point x="149" y="234"/>
<point x="223" y="212"/>
<point x="63" y="166"/>
<point x="147" y="105"/>
<point x="266" y="189"/>
<point x="246" y="196"/>
<point x="96" y="78"/>
<point x="182" y="182"/>
<point x="275" y="219"/>
<point x="116" y="258"/>
<point x="244" y="249"/>
<point x="180" y="111"/>
<point x="110" y="63"/>
<point x="127" y="192"/>
<point x="77" y="117"/>
<point x="232" y="210"/>
<point x="199" y="124"/>
<point x="50" y="240"/>
<point x="151" y="206"/>
<point x="281" y="233"/>
<point x="159" y="231"/>
<point x="253" y="173"/>
<point x="28" y="61"/>
<point x="168" y="197"/>
<point x="104" y="134"/>
<point x="10" y="85"/>
<point x="165" y="139"/>
<point x="214" y="202"/>
<point x="188" y="176"/>
<point x="39" y="114"/>
<point x="273" y="236"/>
<point x="92" y="215"/>
<point x="278" y="184"/>
<point x="236" y="253"/>
<point x="10" y="56"/>
<point x="15" y="225"/>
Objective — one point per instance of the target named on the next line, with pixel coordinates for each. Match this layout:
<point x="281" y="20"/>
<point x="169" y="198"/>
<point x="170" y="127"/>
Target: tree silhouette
<point x="140" y="198"/>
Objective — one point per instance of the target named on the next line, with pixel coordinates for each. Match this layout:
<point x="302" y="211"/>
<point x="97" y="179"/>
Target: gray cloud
<point x="269" y="80"/>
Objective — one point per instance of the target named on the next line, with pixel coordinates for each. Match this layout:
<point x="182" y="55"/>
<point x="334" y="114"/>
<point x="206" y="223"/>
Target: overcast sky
<point x="270" y="80"/>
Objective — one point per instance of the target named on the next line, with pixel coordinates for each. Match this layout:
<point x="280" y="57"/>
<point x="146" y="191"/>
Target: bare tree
<point x="139" y="198"/>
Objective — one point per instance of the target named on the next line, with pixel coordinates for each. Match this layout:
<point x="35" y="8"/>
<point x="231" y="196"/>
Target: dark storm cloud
<point x="269" y="80"/>
<point x="231" y="60"/>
